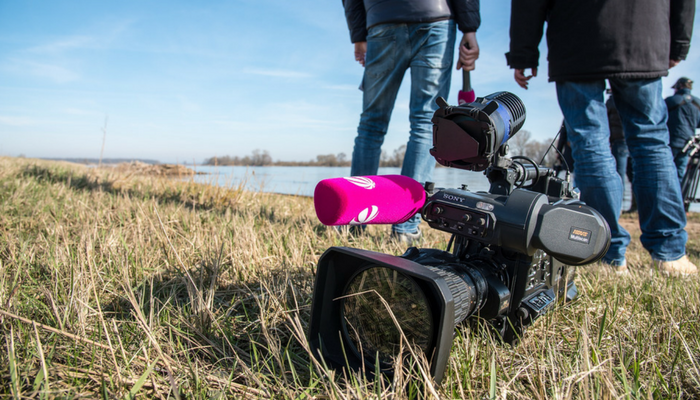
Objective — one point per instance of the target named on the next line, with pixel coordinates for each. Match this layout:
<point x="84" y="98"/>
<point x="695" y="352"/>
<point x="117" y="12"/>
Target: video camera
<point x="691" y="179"/>
<point x="511" y="257"/>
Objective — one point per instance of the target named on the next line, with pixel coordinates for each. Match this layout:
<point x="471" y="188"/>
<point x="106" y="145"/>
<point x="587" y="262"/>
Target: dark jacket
<point x="362" y="15"/>
<point x="602" y="38"/>
<point x="683" y="117"/>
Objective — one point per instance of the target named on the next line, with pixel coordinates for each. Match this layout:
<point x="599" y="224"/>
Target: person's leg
<point x="656" y="187"/>
<point x="388" y="56"/>
<point x="681" y="161"/>
<point x="585" y="115"/>
<point x="630" y="178"/>
<point x="621" y="154"/>
<point x="432" y="47"/>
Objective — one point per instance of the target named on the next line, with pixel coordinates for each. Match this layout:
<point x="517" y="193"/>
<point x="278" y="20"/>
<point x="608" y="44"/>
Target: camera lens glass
<point x="376" y="300"/>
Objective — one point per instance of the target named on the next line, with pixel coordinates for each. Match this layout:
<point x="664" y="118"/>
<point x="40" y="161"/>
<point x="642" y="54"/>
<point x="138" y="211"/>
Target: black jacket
<point x="364" y="14"/>
<point x="683" y="117"/>
<point x="596" y="39"/>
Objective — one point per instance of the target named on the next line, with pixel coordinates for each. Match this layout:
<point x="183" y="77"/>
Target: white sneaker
<point x="621" y="268"/>
<point x="681" y="267"/>
<point x="617" y="267"/>
<point x="408" y="238"/>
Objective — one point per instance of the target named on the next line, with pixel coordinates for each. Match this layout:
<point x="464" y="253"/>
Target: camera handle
<point x="693" y="145"/>
<point x="507" y="174"/>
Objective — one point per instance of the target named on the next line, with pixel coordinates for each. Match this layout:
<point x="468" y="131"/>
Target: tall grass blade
<point x="14" y="376"/>
<point x="139" y="383"/>
<point x="492" y="380"/>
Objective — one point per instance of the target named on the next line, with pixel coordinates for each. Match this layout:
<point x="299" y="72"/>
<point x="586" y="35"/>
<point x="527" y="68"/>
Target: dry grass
<point x="124" y="286"/>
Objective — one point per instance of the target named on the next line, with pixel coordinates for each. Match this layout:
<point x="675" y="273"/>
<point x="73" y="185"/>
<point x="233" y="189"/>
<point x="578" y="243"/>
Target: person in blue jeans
<point x="391" y="37"/>
<point x="683" y="120"/>
<point x="589" y="43"/>
<point x="618" y="146"/>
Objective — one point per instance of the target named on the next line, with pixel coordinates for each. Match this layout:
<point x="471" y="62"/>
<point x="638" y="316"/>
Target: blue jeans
<point x="621" y="154"/>
<point x="655" y="183"/>
<point x="427" y="49"/>
<point x="681" y="160"/>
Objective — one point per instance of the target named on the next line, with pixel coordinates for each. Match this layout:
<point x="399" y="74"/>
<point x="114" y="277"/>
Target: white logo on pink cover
<point x="362" y="182"/>
<point x="365" y="216"/>
<point x="370" y="213"/>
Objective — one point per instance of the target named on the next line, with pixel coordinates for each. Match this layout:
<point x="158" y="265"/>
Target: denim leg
<point x="681" y="161"/>
<point x="621" y="154"/>
<point x="387" y="60"/>
<point x="432" y="47"/>
<point x="655" y="184"/>
<point x="585" y="115"/>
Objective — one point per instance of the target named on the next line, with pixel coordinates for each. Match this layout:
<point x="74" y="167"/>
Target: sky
<point x="182" y="81"/>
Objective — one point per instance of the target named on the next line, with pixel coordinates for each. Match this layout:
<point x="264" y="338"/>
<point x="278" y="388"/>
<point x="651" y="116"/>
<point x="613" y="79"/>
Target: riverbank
<point x="114" y="285"/>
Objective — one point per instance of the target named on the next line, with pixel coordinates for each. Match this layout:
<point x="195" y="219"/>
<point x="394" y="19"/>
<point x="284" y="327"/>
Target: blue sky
<point x="180" y="81"/>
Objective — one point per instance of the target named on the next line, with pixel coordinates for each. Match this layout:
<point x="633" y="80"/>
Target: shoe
<point x="619" y="268"/>
<point x="681" y="267"/>
<point x="407" y="238"/>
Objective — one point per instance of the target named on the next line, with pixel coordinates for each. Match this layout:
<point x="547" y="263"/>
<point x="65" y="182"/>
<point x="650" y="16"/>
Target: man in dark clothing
<point x="391" y="36"/>
<point x="683" y="120"/>
<point x="632" y="44"/>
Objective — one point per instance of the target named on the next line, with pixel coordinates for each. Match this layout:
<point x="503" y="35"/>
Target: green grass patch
<point x="124" y="286"/>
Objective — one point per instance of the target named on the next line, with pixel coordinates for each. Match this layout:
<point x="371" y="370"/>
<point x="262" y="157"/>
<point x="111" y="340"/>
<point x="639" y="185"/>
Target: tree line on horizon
<point x="521" y="144"/>
<point x="262" y="158"/>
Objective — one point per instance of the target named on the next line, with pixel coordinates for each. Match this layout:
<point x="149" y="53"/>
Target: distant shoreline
<point x="88" y="161"/>
<point x="91" y="161"/>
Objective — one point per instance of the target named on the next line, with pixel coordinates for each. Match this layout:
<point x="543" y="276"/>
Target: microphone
<point x="466" y="95"/>
<point x="359" y="200"/>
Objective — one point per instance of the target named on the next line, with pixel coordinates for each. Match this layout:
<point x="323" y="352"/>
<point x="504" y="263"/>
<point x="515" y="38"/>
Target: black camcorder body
<point x="511" y="258"/>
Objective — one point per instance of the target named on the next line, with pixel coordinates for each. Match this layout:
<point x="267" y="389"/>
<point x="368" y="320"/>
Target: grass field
<point x="122" y="286"/>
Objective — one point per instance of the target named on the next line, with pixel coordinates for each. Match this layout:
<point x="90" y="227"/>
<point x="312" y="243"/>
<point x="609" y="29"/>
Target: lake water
<point x="301" y="181"/>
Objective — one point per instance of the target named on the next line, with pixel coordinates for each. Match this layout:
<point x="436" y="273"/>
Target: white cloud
<point x="188" y="106"/>
<point x="63" y="45"/>
<point x="277" y="73"/>
<point x="81" y="112"/>
<point x="17" y="121"/>
<point x="353" y="88"/>
<point x="53" y="72"/>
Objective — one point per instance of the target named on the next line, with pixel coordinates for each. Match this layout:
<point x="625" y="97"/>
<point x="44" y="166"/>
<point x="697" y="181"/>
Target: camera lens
<point x="376" y="300"/>
<point x="467" y="285"/>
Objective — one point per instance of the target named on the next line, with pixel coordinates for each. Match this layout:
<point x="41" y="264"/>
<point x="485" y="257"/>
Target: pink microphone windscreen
<point x="465" y="97"/>
<point x="357" y="200"/>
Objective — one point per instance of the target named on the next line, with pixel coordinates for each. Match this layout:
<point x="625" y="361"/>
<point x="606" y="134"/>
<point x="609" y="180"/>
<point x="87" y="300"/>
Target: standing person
<point x="683" y="120"/>
<point x="618" y="146"/>
<point x="391" y="36"/>
<point x="632" y="44"/>
<point x="617" y="138"/>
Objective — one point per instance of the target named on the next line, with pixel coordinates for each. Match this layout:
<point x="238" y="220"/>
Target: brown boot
<point x="681" y="267"/>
